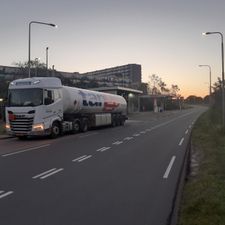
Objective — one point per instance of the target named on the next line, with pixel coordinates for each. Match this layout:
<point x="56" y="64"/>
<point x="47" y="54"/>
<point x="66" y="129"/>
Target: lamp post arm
<point x="29" y="40"/>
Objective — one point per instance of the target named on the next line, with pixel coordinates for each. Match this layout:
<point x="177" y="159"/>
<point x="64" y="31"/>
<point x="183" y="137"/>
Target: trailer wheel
<point x="114" y="123"/>
<point x="122" y="122"/>
<point x="55" y="130"/>
<point x="84" y="126"/>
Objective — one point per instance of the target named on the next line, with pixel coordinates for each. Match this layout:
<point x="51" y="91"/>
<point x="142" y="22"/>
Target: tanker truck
<point x="43" y="106"/>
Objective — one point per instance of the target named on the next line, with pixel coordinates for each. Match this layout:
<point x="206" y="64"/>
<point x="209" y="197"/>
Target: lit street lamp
<point x="222" y="56"/>
<point x="29" y="40"/>
<point x="210" y="81"/>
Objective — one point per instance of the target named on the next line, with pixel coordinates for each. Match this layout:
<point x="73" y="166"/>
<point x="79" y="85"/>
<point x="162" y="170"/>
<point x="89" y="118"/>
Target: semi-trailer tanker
<point x="43" y="106"/>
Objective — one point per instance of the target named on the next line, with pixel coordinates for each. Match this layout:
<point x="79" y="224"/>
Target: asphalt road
<point x="112" y="176"/>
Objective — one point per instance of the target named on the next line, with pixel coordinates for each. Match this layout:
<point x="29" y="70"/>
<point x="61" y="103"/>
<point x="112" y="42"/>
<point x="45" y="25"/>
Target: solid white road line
<point x="142" y="132"/>
<point x="52" y="173"/>
<point x="181" y="141"/>
<point x="117" y="143"/>
<point x="103" y="149"/>
<point x="169" y="167"/>
<point x="186" y="132"/>
<point x="87" y="135"/>
<point x="136" y="135"/>
<point x="81" y="157"/>
<point x="25" y="150"/>
<point x="6" y="194"/>
<point x="42" y="174"/>
<point x="87" y="157"/>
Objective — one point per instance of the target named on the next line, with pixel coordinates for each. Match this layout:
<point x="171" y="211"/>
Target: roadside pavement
<point x="150" y="115"/>
<point x="2" y="133"/>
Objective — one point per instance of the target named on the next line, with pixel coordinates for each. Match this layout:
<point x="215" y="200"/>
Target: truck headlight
<point x="7" y="126"/>
<point x="38" y="127"/>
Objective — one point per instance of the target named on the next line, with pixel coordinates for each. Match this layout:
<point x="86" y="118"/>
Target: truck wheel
<point x="84" y="126"/>
<point x="55" y="131"/>
<point x="114" y="123"/>
<point x="76" y="126"/>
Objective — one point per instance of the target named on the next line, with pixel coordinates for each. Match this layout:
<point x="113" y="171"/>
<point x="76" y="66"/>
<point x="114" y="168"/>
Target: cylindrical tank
<point x="76" y="100"/>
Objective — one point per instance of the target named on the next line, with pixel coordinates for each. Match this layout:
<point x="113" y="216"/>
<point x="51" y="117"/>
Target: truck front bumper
<point x="31" y="133"/>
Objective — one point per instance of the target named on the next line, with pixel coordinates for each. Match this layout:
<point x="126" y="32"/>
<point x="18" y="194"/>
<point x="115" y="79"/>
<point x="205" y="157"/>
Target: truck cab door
<point x="53" y="105"/>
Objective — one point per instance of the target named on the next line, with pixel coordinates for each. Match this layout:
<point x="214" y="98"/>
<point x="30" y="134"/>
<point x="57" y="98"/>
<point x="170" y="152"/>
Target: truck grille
<point x="21" y="123"/>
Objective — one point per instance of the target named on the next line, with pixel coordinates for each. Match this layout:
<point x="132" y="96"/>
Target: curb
<point x="2" y="137"/>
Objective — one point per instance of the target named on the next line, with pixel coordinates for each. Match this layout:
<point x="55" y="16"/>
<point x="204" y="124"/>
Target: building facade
<point x="126" y="75"/>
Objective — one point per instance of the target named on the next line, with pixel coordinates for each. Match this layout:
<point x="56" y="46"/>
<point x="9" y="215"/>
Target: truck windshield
<point x="25" y="97"/>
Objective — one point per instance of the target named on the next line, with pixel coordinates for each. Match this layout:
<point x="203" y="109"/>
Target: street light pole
<point x="29" y="40"/>
<point x="210" y="81"/>
<point x="47" y="58"/>
<point x="222" y="56"/>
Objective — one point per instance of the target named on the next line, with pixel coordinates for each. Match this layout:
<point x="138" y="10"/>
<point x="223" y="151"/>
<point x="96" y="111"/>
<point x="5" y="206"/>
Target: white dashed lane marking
<point x="166" y="175"/>
<point x="4" y="194"/>
<point x="127" y="138"/>
<point x="117" y="142"/>
<point x="26" y="150"/>
<point x="181" y="141"/>
<point x="48" y="173"/>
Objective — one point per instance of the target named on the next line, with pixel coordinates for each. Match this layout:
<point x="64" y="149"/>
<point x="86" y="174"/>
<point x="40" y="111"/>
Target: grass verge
<point x="203" y="201"/>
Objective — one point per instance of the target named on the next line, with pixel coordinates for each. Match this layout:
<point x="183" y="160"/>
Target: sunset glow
<point x="165" y="37"/>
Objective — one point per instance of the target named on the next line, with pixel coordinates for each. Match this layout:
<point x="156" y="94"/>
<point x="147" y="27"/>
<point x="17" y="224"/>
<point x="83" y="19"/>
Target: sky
<point x="164" y="36"/>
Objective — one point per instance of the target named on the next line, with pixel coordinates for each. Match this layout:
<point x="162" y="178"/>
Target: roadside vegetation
<point x="203" y="201"/>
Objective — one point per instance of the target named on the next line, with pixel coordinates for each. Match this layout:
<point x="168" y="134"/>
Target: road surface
<point x="125" y="175"/>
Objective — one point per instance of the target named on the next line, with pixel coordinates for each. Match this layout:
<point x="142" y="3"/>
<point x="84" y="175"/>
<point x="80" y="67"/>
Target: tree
<point x="217" y="94"/>
<point x="154" y="84"/>
<point x="37" y="68"/>
<point x="3" y="87"/>
<point x="163" y="88"/>
<point x="144" y="87"/>
<point x="192" y="99"/>
<point x="174" y="90"/>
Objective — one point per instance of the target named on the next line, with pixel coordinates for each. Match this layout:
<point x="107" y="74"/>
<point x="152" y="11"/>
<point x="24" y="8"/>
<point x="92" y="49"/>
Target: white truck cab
<point x="33" y="105"/>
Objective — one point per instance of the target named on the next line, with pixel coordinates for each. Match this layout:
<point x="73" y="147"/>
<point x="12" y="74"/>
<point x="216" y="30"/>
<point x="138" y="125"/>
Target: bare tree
<point x="174" y="90"/>
<point x="157" y="85"/>
<point x="35" y="66"/>
<point x="154" y="84"/>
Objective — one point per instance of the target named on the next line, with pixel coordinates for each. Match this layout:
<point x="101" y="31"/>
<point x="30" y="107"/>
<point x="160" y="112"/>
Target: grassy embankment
<point x="203" y="200"/>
